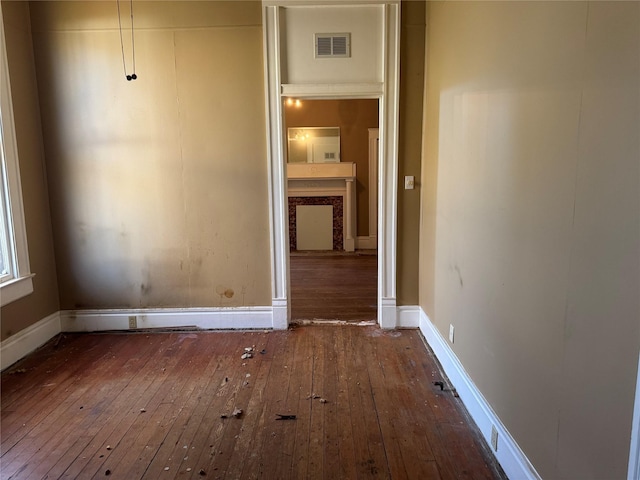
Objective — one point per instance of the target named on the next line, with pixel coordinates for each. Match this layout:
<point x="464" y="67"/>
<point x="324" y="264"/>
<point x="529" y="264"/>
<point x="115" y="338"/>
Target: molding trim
<point x="374" y="154"/>
<point x="306" y="3"/>
<point x="634" y="451"/>
<point x="387" y="313"/>
<point x="408" y="316"/>
<point x="324" y="90"/>
<point x="26" y="341"/>
<point x="243" y="318"/>
<point x="511" y="458"/>
<point x="367" y="243"/>
<point x="388" y="93"/>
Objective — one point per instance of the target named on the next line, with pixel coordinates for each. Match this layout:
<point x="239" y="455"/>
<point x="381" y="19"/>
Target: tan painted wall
<point x="530" y="234"/>
<point x="158" y="186"/>
<point x="354" y="117"/>
<point x="412" y="61"/>
<point x="44" y="299"/>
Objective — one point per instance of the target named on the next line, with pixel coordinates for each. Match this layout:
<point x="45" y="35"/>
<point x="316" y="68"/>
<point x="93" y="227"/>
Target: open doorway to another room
<point x="332" y="152"/>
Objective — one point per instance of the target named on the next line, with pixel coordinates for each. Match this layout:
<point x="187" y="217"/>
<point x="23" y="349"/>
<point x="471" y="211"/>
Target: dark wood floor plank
<point x="342" y="405"/>
<point x="333" y="287"/>
<point x="133" y="416"/>
<point x="207" y="373"/>
<point x="293" y="459"/>
<point x="371" y="459"/>
<point x="47" y="390"/>
<point x="315" y="463"/>
<point x="400" y="398"/>
<point x="118" y="406"/>
<point x="74" y="411"/>
<point x="237" y="433"/>
<point x="388" y="406"/>
<point x="274" y="459"/>
<point x="329" y="403"/>
<point x="165" y="431"/>
<point x="383" y="417"/>
<point x="246" y="457"/>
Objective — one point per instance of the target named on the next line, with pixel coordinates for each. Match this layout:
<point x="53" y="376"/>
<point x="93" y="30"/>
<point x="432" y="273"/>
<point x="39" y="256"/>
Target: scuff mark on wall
<point x="457" y="270"/>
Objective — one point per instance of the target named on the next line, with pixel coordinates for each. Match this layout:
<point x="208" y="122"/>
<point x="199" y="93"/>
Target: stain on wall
<point x="158" y="187"/>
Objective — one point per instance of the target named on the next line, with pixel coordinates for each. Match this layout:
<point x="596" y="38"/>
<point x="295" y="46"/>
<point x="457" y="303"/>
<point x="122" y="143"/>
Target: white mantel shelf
<point x="316" y="171"/>
<point x="327" y="180"/>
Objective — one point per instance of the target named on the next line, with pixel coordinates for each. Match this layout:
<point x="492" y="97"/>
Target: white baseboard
<point x="26" y="341"/>
<point x="387" y="313"/>
<point x="634" y="450"/>
<point x="367" y="243"/>
<point x="408" y="316"/>
<point x="511" y="458"/>
<point x="205" y="318"/>
<point x="280" y="314"/>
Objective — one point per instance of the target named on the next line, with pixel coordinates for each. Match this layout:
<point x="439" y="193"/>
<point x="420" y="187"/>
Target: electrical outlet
<point x="133" y="322"/>
<point x="494" y="438"/>
<point x="451" y="333"/>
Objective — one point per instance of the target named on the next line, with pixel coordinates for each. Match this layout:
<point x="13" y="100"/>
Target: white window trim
<point x="21" y="283"/>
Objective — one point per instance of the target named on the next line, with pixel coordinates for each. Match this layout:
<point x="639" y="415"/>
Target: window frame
<point x="19" y="282"/>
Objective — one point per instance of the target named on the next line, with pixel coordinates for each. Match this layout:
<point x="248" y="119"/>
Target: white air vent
<point x="332" y="45"/>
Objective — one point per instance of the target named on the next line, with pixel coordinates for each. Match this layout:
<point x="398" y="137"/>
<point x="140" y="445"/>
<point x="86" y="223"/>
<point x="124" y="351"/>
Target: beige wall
<point x="412" y="61"/>
<point x="44" y="299"/>
<point x="158" y="186"/>
<point x="530" y="226"/>
<point x="354" y="117"/>
<point x="364" y="65"/>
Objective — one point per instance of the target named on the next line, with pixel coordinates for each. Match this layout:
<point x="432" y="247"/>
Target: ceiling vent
<point x="332" y="45"/>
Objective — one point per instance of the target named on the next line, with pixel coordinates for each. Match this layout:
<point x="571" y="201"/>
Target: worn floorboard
<point x="334" y="287"/>
<point x="151" y="405"/>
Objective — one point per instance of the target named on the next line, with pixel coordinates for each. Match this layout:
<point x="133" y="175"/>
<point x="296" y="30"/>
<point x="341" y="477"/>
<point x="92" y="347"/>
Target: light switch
<point x="409" y="182"/>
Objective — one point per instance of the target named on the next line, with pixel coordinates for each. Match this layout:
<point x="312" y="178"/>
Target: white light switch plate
<point x="409" y="182"/>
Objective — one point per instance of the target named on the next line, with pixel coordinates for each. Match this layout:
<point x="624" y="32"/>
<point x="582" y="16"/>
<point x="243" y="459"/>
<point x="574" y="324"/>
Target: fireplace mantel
<point x="327" y="180"/>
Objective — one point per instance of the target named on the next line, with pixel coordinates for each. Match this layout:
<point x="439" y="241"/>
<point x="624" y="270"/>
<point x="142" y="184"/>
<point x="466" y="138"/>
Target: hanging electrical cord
<point x="133" y="76"/>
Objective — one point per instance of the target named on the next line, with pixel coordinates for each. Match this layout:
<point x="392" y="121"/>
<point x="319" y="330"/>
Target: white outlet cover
<point x="451" y="329"/>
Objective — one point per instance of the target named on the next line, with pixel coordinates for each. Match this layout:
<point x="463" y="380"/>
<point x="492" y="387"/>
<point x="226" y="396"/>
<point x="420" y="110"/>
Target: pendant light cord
<point x="133" y="44"/>
<point x="133" y="76"/>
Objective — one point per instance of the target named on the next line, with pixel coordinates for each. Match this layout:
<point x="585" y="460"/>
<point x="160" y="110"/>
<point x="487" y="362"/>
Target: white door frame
<point x="374" y="155"/>
<point x="388" y="94"/>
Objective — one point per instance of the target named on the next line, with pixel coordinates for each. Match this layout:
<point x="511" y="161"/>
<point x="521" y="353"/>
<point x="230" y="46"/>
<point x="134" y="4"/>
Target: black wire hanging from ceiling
<point x="133" y="75"/>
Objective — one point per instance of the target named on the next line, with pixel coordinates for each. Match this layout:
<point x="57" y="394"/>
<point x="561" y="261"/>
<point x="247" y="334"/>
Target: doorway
<point x="292" y="70"/>
<point x="332" y="278"/>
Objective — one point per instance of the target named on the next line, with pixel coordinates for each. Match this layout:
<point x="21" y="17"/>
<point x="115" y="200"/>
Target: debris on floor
<point x="285" y="417"/>
<point x="237" y="412"/>
<point x="315" y="396"/>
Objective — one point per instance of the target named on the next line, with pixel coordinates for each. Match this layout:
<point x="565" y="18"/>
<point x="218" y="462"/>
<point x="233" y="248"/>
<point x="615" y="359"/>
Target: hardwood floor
<point x="333" y="287"/>
<point x="149" y="405"/>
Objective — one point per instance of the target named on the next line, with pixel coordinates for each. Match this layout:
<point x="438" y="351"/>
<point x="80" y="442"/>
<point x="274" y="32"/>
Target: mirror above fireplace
<point x="313" y="144"/>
